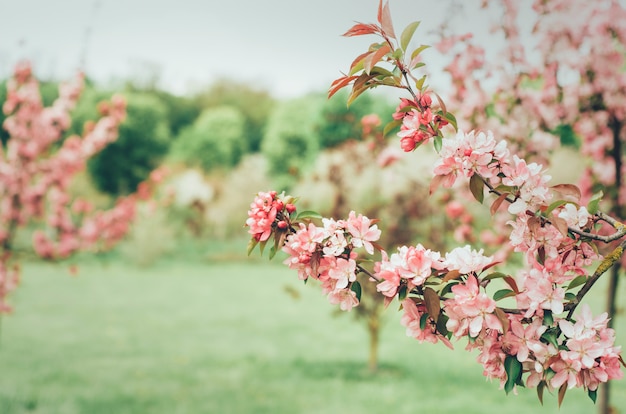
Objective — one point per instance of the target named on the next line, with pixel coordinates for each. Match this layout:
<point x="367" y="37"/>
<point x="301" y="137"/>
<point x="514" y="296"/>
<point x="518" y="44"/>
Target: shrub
<point x="290" y="142"/>
<point x="216" y="139"/>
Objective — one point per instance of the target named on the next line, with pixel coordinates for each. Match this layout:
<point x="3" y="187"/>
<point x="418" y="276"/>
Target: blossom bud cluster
<point x="268" y="212"/>
<point x="419" y="123"/>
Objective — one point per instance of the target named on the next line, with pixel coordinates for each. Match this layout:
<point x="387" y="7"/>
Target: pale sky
<point x="287" y="46"/>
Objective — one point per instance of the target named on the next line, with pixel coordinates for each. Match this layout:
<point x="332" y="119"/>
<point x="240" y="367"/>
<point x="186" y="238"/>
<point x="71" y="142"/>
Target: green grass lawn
<point x="226" y="337"/>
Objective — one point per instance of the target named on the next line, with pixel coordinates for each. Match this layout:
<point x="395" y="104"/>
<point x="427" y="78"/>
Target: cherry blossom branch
<point x="609" y="260"/>
<point x="617" y="225"/>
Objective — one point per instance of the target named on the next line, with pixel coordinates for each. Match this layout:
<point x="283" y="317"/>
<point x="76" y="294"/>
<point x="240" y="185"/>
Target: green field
<point x="224" y="337"/>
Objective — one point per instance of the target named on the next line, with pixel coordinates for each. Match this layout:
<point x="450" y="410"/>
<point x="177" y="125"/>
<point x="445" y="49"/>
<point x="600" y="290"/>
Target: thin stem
<point x="605" y="265"/>
<point x="618" y="226"/>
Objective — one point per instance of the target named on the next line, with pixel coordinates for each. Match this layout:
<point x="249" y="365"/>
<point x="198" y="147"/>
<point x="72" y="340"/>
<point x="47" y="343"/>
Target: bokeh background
<point x="230" y="96"/>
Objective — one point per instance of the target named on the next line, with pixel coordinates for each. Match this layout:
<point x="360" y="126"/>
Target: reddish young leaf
<point x="339" y="84"/>
<point x="432" y="302"/>
<point x="569" y="191"/>
<point x="451" y="275"/>
<point x="435" y="183"/>
<point x="560" y="224"/>
<point x="504" y="320"/>
<point x="354" y="67"/>
<point x="384" y="18"/>
<point x="497" y="203"/>
<point x="441" y="104"/>
<point x="360" y="86"/>
<point x="373" y="58"/>
<point x="361" y="29"/>
<point x="511" y="282"/>
<point x="492" y="264"/>
<point x="477" y="186"/>
<point x="534" y="224"/>
<point x="562" y="391"/>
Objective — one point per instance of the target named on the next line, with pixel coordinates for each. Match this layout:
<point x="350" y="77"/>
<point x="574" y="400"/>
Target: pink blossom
<point x="346" y="299"/>
<point x="470" y="310"/>
<point x="575" y="217"/>
<point x="411" y="319"/>
<point x="466" y="260"/>
<point x="363" y="232"/>
<point x="344" y="272"/>
<point x="521" y="340"/>
<point x="566" y="371"/>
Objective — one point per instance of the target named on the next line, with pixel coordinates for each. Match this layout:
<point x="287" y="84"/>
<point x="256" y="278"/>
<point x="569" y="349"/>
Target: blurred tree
<point x="142" y="143"/>
<point x="339" y="122"/>
<point x="180" y="111"/>
<point x="38" y="165"/>
<point x="290" y="141"/>
<point x="216" y="139"/>
<point x="254" y="104"/>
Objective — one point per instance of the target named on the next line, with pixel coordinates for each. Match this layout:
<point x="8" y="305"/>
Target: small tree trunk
<point x="373" y="329"/>
<point x="605" y="391"/>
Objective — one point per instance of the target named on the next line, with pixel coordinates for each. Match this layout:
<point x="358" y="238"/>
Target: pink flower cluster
<point x="327" y="254"/>
<point x="266" y="212"/>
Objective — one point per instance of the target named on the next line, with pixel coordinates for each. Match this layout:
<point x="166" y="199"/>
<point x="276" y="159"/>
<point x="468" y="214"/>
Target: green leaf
<point x="441" y="324"/>
<point x="503" y="293"/>
<point x="423" y="320"/>
<point x="402" y="293"/>
<point x="356" y="288"/>
<point x="548" y="320"/>
<point x="448" y="288"/>
<point x="417" y="51"/>
<point x="273" y="251"/>
<point x="494" y="275"/>
<point x="308" y="214"/>
<point x="593" y="395"/>
<point x="594" y="203"/>
<point x="579" y="280"/>
<point x="513" y="370"/>
<point x="567" y="136"/>
<point x="569" y="296"/>
<point x="252" y="244"/>
<point x="556" y="204"/>
<point x="477" y="186"/>
<point x="407" y="35"/>
<point x="451" y="119"/>
<point x="378" y="71"/>
<point x="540" y="387"/>
<point x="262" y="246"/>
<point x="438" y="143"/>
<point x="391" y="126"/>
<point x="420" y="83"/>
<point x="549" y="337"/>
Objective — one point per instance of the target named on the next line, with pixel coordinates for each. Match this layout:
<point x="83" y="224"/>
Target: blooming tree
<point x="569" y="89"/>
<point x="530" y="328"/>
<point x="37" y="165"/>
